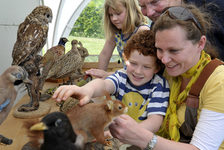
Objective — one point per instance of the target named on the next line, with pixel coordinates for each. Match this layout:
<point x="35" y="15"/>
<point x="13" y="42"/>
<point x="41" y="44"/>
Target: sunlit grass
<point x="93" y="45"/>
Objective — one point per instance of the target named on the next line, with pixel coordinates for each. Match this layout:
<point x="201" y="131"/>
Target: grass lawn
<point x="94" y="47"/>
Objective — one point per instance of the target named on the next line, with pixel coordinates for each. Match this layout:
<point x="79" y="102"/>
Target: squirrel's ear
<point x="108" y="97"/>
<point x="109" y="105"/>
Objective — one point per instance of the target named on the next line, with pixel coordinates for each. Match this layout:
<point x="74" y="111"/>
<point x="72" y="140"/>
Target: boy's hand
<point x="66" y="91"/>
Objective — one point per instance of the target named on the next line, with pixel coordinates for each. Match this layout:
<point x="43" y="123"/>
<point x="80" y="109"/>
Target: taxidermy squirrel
<point x="91" y="119"/>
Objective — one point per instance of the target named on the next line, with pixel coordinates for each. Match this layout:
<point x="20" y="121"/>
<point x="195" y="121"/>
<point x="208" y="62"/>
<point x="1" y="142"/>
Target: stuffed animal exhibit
<point x="31" y="37"/>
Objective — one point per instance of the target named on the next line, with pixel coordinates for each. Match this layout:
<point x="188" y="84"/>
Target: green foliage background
<point x="90" y="22"/>
<point x="88" y="29"/>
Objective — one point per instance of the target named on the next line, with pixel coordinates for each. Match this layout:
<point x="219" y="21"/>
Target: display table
<point x="13" y="127"/>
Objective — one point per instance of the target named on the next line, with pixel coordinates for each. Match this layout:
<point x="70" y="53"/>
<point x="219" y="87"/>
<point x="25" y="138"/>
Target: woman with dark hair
<point x="195" y="115"/>
<point x="153" y="9"/>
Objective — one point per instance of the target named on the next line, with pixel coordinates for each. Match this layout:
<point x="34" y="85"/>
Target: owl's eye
<point x="48" y="15"/>
<point x="58" y="122"/>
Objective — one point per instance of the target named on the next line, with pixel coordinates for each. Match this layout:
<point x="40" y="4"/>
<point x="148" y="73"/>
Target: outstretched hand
<point x="66" y="91"/>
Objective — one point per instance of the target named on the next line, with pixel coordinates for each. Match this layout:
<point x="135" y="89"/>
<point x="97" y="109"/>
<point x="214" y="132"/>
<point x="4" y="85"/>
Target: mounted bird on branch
<point x="31" y="38"/>
<point x="11" y="77"/>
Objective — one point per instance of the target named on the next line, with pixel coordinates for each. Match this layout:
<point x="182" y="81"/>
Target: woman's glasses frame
<point x="182" y="13"/>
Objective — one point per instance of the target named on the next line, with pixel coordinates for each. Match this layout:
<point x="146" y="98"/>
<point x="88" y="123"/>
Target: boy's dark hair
<point x="144" y="42"/>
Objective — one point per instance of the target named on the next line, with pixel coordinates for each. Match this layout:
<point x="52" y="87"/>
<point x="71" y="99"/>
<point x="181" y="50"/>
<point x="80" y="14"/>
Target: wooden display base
<point x="57" y="80"/>
<point x="44" y="108"/>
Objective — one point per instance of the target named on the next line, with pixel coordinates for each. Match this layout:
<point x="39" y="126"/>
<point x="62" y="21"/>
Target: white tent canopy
<point x="13" y="12"/>
<point x="65" y="13"/>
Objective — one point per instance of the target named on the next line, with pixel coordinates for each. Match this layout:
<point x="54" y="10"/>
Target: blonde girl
<point x="122" y="19"/>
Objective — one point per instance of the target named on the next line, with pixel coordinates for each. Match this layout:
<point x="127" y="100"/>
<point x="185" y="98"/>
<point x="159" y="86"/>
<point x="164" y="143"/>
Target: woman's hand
<point x="66" y="91"/>
<point x="128" y="131"/>
<point x="122" y="127"/>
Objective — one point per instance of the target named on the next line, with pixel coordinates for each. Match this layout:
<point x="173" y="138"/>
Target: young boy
<point x="139" y="87"/>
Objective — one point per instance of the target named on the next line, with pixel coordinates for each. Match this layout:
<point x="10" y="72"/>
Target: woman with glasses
<point x="153" y="9"/>
<point x="195" y="115"/>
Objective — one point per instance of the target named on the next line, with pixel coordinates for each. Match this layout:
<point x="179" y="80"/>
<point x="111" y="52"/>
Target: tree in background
<point x="90" y="22"/>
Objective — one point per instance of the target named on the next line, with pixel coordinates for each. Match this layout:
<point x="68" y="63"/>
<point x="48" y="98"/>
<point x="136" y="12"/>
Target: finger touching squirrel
<point x="91" y="119"/>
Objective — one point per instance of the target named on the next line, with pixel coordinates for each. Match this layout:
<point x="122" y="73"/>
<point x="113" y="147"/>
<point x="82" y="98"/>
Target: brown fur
<point x="35" y="137"/>
<point x="91" y="119"/>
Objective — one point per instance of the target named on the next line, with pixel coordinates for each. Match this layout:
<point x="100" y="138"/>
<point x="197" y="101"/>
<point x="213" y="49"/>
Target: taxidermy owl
<point x="67" y="65"/>
<point x="31" y="35"/>
<point x="50" y="58"/>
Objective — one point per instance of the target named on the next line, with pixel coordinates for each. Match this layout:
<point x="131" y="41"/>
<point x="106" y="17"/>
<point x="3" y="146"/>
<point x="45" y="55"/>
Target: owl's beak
<point x="50" y="19"/>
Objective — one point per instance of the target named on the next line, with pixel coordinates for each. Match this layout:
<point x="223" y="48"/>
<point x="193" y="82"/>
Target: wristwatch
<point x="151" y="143"/>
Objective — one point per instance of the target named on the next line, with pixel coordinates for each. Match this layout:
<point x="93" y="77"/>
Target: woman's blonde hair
<point x="134" y="16"/>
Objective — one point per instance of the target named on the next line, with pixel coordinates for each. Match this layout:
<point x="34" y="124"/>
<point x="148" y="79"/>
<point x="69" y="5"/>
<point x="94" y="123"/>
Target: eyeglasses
<point x="182" y="13"/>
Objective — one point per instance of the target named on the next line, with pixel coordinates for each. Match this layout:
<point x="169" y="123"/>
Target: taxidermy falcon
<point x="31" y="37"/>
<point x="67" y="65"/>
